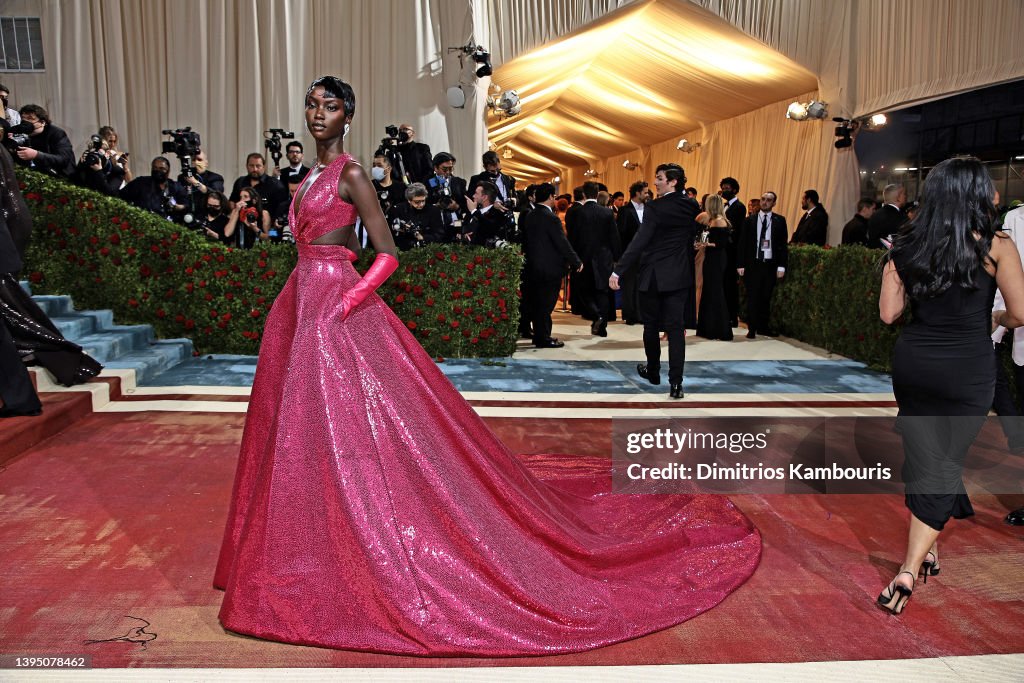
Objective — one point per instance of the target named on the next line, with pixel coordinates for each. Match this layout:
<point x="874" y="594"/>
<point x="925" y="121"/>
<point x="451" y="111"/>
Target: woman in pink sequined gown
<point x="374" y="510"/>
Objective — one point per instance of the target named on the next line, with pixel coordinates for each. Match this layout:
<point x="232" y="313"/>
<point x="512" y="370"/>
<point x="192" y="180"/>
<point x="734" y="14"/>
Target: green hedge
<point x="829" y="298"/>
<point x="458" y="301"/>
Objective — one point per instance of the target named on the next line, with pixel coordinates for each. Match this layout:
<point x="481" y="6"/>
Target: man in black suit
<point x="662" y="253"/>
<point x="889" y="219"/>
<point x="506" y="184"/>
<point x="813" y="225"/>
<point x="547" y="251"/>
<point x="415" y="156"/>
<point x="598" y="240"/>
<point x="761" y="260"/>
<point x="736" y="213"/>
<point x="631" y="216"/>
<point x="269" y="188"/>
<point x="572" y="232"/>
<point x="856" y="230"/>
<point x="448" y="192"/>
<point x="488" y="223"/>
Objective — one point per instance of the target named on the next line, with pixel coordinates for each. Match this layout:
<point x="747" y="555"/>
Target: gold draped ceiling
<point x="638" y="76"/>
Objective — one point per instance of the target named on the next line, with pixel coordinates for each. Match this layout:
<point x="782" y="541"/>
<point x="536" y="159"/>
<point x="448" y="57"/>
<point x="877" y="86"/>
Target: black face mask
<point x="727" y="195"/>
<point x="159" y="175"/>
<point x="213" y="211"/>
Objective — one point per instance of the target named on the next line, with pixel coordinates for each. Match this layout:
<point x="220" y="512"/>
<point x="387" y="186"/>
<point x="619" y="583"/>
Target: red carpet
<point x="122" y="514"/>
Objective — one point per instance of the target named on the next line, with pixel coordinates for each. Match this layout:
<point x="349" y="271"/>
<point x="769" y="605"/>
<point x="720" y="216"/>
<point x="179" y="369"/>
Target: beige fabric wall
<point x="234" y="69"/>
<point x="871" y="55"/>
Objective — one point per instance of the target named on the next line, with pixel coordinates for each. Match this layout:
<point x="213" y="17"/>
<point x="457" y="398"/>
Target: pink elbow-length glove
<point x="382" y="267"/>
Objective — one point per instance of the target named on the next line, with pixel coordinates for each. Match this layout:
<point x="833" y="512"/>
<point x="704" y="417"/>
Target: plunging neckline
<point x="300" y="198"/>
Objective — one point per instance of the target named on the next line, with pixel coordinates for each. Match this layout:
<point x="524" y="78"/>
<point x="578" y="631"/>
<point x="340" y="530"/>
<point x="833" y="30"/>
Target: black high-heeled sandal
<point x="894" y="598"/>
<point x="930" y="567"/>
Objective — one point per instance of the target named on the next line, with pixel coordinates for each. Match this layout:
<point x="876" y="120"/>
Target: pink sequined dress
<point x="374" y="510"/>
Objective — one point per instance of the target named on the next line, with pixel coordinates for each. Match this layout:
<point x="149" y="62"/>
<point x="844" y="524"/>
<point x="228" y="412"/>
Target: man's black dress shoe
<point x="675" y="390"/>
<point x="751" y="335"/>
<point x="651" y="377"/>
<point x="550" y="344"/>
<point x="599" y="327"/>
<point x="1016" y="517"/>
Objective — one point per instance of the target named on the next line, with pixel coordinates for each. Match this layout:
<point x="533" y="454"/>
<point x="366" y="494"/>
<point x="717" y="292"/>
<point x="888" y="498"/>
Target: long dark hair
<point x="949" y="239"/>
<point x="335" y="87"/>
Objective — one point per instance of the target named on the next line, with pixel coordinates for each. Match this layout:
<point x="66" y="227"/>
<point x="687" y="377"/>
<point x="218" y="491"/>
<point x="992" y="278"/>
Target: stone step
<point x="131" y="347"/>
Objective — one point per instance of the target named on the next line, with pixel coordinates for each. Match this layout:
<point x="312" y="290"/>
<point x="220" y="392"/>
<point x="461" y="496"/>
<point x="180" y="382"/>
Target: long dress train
<point x="374" y="510"/>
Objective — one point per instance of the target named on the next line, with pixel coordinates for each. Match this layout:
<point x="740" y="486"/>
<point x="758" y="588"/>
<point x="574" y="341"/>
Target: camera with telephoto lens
<point x="93" y="155"/>
<point x="414" y="231"/>
<point x="184" y="144"/>
<point x="17" y="136"/>
<point x="273" y="142"/>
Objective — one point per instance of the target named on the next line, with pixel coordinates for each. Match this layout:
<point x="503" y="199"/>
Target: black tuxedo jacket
<point x="886" y="221"/>
<point x="662" y="250"/>
<point x="737" y="214"/>
<point x="544" y="244"/>
<point x="628" y="224"/>
<point x="598" y="241"/>
<point x="747" y="250"/>
<point x="489" y="226"/>
<point x="812" y="228"/>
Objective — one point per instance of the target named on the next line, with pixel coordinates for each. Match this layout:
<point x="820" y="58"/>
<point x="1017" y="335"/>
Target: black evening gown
<point x="713" y="317"/>
<point x="944" y="377"/>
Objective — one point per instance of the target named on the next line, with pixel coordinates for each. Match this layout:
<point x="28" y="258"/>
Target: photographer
<point x="212" y="217"/>
<point x="416" y="157"/>
<point x="390" y="192"/>
<point x="103" y="168"/>
<point x="111" y="140"/>
<point x="47" y="148"/>
<point x="506" y="184"/>
<point x="448" y="192"/>
<point x="11" y="116"/>
<point x="270" y="190"/>
<point x="249" y="222"/>
<point x="414" y="222"/>
<point x="156" y="192"/>
<point x="202" y="180"/>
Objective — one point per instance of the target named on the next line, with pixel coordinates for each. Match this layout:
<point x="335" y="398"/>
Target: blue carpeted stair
<point x="115" y="346"/>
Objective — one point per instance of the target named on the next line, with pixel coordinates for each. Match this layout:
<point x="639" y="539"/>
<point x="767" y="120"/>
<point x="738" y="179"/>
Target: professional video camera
<point x="273" y="142"/>
<point x="184" y="144"/>
<point x="389" y="148"/>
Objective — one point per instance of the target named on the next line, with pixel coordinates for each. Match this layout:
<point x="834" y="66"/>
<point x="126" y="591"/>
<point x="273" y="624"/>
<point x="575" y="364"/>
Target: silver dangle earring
<point x="345" y="134"/>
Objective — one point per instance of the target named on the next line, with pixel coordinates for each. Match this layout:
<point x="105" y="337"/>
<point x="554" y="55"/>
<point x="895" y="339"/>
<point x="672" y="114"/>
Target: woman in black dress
<point x="947" y="262"/>
<point x="713" y="316"/>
